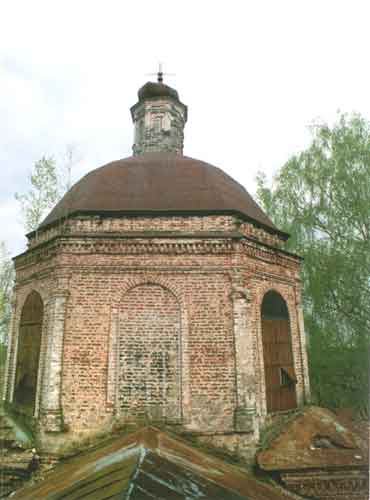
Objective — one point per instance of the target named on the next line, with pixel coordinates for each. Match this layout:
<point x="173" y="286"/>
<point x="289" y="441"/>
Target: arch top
<point x="32" y="309"/>
<point x="143" y="280"/>
<point x="274" y="306"/>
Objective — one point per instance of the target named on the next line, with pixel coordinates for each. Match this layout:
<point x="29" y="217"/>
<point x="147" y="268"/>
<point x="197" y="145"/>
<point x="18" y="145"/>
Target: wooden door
<point x="29" y="343"/>
<point x="279" y="368"/>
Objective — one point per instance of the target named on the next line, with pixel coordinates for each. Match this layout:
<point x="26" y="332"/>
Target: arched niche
<point x="149" y="371"/>
<point x="280" y="377"/>
<point x="29" y="342"/>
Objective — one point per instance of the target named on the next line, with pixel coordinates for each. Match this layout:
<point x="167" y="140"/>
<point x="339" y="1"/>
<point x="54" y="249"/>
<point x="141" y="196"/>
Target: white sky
<point x="254" y="75"/>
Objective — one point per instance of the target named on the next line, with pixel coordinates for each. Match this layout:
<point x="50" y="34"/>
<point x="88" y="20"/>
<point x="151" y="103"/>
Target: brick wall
<point x="171" y="298"/>
<point x="205" y="358"/>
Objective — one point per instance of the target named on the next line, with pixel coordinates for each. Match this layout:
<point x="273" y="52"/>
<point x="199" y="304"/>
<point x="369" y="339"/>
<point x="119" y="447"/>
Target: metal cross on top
<point x="160" y="73"/>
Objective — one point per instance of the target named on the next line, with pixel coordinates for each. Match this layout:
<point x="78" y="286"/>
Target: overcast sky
<point x="254" y="75"/>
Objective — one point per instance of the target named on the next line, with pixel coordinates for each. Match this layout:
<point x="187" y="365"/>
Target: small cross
<point x="160" y="73"/>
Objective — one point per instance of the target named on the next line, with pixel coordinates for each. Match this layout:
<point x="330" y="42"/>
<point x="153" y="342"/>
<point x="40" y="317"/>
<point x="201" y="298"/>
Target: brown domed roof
<point x="158" y="183"/>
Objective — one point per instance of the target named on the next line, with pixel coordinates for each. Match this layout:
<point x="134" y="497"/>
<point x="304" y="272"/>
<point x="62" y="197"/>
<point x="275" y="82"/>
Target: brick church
<point x="158" y="290"/>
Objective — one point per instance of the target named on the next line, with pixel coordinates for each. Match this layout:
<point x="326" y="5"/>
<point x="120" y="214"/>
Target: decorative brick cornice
<point x="155" y="246"/>
<point x="123" y="246"/>
<point x="42" y="253"/>
<point x="270" y="255"/>
<point x="133" y="247"/>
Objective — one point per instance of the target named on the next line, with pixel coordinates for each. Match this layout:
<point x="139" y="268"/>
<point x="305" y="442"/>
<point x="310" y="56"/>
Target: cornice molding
<point x="270" y="255"/>
<point x="229" y="244"/>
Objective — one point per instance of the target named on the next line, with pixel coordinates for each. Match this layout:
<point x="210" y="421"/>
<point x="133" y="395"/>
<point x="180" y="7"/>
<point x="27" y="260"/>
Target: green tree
<point x="42" y="195"/>
<point x="321" y="196"/>
<point x="6" y="285"/>
<point x="48" y="182"/>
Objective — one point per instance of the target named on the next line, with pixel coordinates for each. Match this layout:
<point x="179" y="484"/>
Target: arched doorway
<point x="29" y="342"/>
<point x="149" y="354"/>
<point x="277" y="354"/>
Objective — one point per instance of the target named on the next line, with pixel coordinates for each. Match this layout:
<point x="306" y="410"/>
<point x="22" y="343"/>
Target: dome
<point x="158" y="183"/>
<point x="156" y="89"/>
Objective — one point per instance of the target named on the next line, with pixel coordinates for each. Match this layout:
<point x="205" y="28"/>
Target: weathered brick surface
<point x="189" y="304"/>
<point x="149" y="349"/>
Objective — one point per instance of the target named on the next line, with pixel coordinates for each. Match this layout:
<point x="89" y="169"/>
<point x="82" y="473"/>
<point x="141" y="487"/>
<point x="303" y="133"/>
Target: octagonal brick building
<point x="157" y="289"/>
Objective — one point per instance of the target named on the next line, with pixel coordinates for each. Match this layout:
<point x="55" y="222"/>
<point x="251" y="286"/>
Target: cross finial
<point x="160" y="73"/>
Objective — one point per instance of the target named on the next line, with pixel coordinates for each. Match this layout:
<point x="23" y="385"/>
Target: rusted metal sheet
<point x="318" y="455"/>
<point x="149" y="464"/>
<point x="279" y="368"/>
<point x="158" y="183"/>
<point x="317" y="439"/>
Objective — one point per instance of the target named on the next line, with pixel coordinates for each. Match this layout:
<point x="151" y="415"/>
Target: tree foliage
<point x="321" y="196"/>
<point x="6" y="285"/>
<point x="48" y="182"/>
<point x="44" y="192"/>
